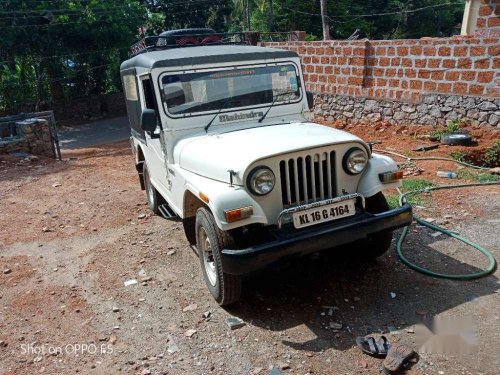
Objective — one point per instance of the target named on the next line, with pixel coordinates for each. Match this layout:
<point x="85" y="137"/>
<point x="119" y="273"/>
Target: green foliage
<point x="458" y="155"/>
<point x="474" y="175"/>
<point x="491" y="156"/>
<point x="453" y="126"/>
<point x="411" y="185"/>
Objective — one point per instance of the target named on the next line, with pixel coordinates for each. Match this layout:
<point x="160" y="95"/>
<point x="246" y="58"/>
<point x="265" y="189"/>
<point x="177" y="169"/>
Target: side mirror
<point x="148" y="120"/>
<point x="310" y="99"/>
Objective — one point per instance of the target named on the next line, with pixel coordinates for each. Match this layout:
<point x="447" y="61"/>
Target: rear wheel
<point x="152" y="194"/>
<point x="378" y="243"/>
<point x="210" y="241"/>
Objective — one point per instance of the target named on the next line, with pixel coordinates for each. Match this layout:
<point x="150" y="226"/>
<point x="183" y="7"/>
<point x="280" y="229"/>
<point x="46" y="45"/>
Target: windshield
<point x="207" y="91"/>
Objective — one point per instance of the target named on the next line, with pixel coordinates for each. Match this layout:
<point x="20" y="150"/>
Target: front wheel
<point x="210" y="241"/>
<point x="378" y="243"/>
<point x="152" y="194"/>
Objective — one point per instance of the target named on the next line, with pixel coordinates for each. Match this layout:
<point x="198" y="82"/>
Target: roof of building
<point x="185" y="56"/>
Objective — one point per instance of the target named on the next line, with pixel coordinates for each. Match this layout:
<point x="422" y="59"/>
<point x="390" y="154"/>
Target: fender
<point x="223" y="197"/>
<point x="370" y="184"/>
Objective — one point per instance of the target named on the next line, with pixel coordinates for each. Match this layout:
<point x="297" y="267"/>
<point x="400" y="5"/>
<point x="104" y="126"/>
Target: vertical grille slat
<point x="308" y="178"/>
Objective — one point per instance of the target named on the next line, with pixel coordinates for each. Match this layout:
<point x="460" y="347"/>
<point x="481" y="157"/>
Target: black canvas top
<point x="204" y="55"/>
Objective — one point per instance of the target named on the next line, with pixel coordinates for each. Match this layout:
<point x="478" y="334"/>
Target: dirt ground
<point x="72" y="232"/>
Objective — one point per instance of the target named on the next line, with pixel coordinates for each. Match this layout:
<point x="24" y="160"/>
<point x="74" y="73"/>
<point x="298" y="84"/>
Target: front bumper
<point x="239" y="262"/>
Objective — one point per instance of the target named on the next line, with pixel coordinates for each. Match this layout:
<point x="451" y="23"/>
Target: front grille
<point x="308" y="178"/>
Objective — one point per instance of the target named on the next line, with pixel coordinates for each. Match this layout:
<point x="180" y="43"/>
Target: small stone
<point x="56" y="184"/>
<point x="393" y="295"/>
<point x="190" y="332"/>
<point x="207" y="314"/>
<point x="409" y="330"/>
<point x="436" y="234"/>
<point x="145" y="372"/>
<point x="112" y="339"/>
<point x="356" y="299"/>
<point x="191" y="307"/>
<point x="171" y="252"/>
<point x="257" y="370"/>
<point x="234" y="322"/>
<point x="116" y="309"/>
<point x="146" y="279"/>
<point x="3" y="344"/>
<point x="46" y="229"/>
<point x="141" y="216"/>
<point x="130" y="282"/>
<point x="7" y="271"/>
<point x="336" y="326"/>
<point x="284" y="366"/>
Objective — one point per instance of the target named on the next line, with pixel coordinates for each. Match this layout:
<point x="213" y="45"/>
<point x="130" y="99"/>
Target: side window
<point x="130" y="87"/>
<point x="149" y="96"/>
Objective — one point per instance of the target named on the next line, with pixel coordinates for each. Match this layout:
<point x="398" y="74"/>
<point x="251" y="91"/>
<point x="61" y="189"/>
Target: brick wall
<point x="412" y="75"/>
<point x="488" y="21"/>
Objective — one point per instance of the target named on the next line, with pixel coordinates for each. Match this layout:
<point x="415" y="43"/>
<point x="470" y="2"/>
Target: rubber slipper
<point x="397" y="356"/>
<point x="372" y="347"/>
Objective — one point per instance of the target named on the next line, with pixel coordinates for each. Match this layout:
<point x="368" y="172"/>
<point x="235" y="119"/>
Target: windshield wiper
<point x="274" y="102"/>
<point x="226" y="102"/>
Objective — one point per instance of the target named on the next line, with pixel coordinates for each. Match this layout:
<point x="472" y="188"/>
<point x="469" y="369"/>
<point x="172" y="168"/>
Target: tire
<point x="210" y="240"/>
<point x="152" y="195"/>
<point x="456" y="139"/>
<point x="378" y="243"/>
<point x="189" y="229"/>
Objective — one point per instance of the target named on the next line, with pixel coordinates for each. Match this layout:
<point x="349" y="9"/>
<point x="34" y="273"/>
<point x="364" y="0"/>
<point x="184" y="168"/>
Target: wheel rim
<point x="208" y="257"/>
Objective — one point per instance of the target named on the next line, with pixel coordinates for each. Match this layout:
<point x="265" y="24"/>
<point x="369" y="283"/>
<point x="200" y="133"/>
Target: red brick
<point x="437" y="76"/>
<point x="468" y="75"/>
<point x="482" y="63"/>
<point x="424" y="74"/>
<point x="384" y="61"/>
<point x="452" y="76"/>
<point x="359" y="61"/>
<point x="429" y="51"/>
<point x="394" y="83"/>
<point x="391" y="51"/>
<point x="329" y="51"/>
<point x="460" y="88"/>
<point x="378" y="72"/>
<point x="318" y="69"/>
<point x="411" y="73"/>
<point x="396" y="61"/>
<point x="444" y="87"/>
<point x="460" y="51"/>
<point x="494" y="50"/>
<point x="444" y="51"/>
<point x="332" y="79"/>
<point x="434" y="63"/>
<point x="328" y="69"/>
<point x="323" y="78"/>
<point x="346" y="70"/>
<point x="477" y="51"/>
<point x="369" y="82"/>
<point x="381" y="82"/>
<point x="449" y="63"/>
<point x="313" y="78"/>
<point x="416" y="50"/>
<point x="481" y="23"/>
<point x="355" y="81"/>
<point x="404" y="85"/>
<point x="311" y="50"/>
<point x="464" y="63"/>
<point x="485" y="10"/>
<point x="415" y="85"/>
<point x="496" y="63"/>
<point x="358" y="51"/>
<point x="476" y="89"/>
<point x="347" y="51"/>
<point x="403" y="51"/>
<point x="407" y="62"/>
<point x="429" y="85"/>
<point x="485" y="77"/>
<point x="333" y="60"/>
<point x="494" y="22"/>
<point x="382" y="51"/>
<point x="306" y="60"/>
<point x="310" y="69"/>
<point x="325" y="60"/>
<point x="390" y="72"/>
<point x="342" y="60"/>
<point x="420" y="63"/>
<point x="320" y="51"/>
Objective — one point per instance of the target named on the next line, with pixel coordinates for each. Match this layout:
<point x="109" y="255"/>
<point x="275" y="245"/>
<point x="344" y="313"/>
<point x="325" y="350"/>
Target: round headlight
<point x="355" y="161"/>
<point x="261" y="181"/>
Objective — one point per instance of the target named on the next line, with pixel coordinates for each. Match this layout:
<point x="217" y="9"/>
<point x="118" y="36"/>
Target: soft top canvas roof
<point x="185" y="56"/>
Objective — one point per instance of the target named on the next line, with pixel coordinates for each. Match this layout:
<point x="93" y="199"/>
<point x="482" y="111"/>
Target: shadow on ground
<point x="297" y="294"/>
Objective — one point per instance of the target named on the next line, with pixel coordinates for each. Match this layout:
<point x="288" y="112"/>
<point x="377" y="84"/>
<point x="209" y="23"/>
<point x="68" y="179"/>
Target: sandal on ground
<point x="397" y="356"/>
<point x="375" y="348"/>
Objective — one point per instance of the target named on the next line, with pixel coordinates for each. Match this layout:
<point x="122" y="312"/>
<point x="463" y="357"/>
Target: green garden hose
<point x="492" y="263"/>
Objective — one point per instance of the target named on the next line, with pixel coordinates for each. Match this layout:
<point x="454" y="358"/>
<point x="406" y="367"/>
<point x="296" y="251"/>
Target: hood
<point x="214" y="154"/>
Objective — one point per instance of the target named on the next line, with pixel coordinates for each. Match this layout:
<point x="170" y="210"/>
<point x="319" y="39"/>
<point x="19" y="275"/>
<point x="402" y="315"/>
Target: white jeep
<point x="223" y="139"/>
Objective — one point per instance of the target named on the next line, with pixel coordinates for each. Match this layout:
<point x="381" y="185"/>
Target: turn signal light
<point x="389" y="177"/>
<point x="203" y="197"/>
<point x="238" y="214"/>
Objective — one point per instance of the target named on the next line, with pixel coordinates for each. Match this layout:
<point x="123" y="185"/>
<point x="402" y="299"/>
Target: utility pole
<point x="325" y="20"/>
<point x="248" y="14"/>
<point x="271" y="15"/>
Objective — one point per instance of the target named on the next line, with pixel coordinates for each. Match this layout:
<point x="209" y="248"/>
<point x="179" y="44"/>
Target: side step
<point x="167" y="212"/>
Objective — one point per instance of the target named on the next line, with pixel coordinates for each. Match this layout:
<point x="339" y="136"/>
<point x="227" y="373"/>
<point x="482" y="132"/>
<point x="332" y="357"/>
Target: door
<point x="157" y="161"/>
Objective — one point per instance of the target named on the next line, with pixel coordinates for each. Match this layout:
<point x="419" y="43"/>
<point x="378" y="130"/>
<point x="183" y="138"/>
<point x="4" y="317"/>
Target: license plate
<point x="323" y="214"/>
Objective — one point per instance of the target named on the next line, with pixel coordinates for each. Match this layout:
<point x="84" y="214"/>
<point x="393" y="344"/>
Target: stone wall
<point x="34" y="137"/>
